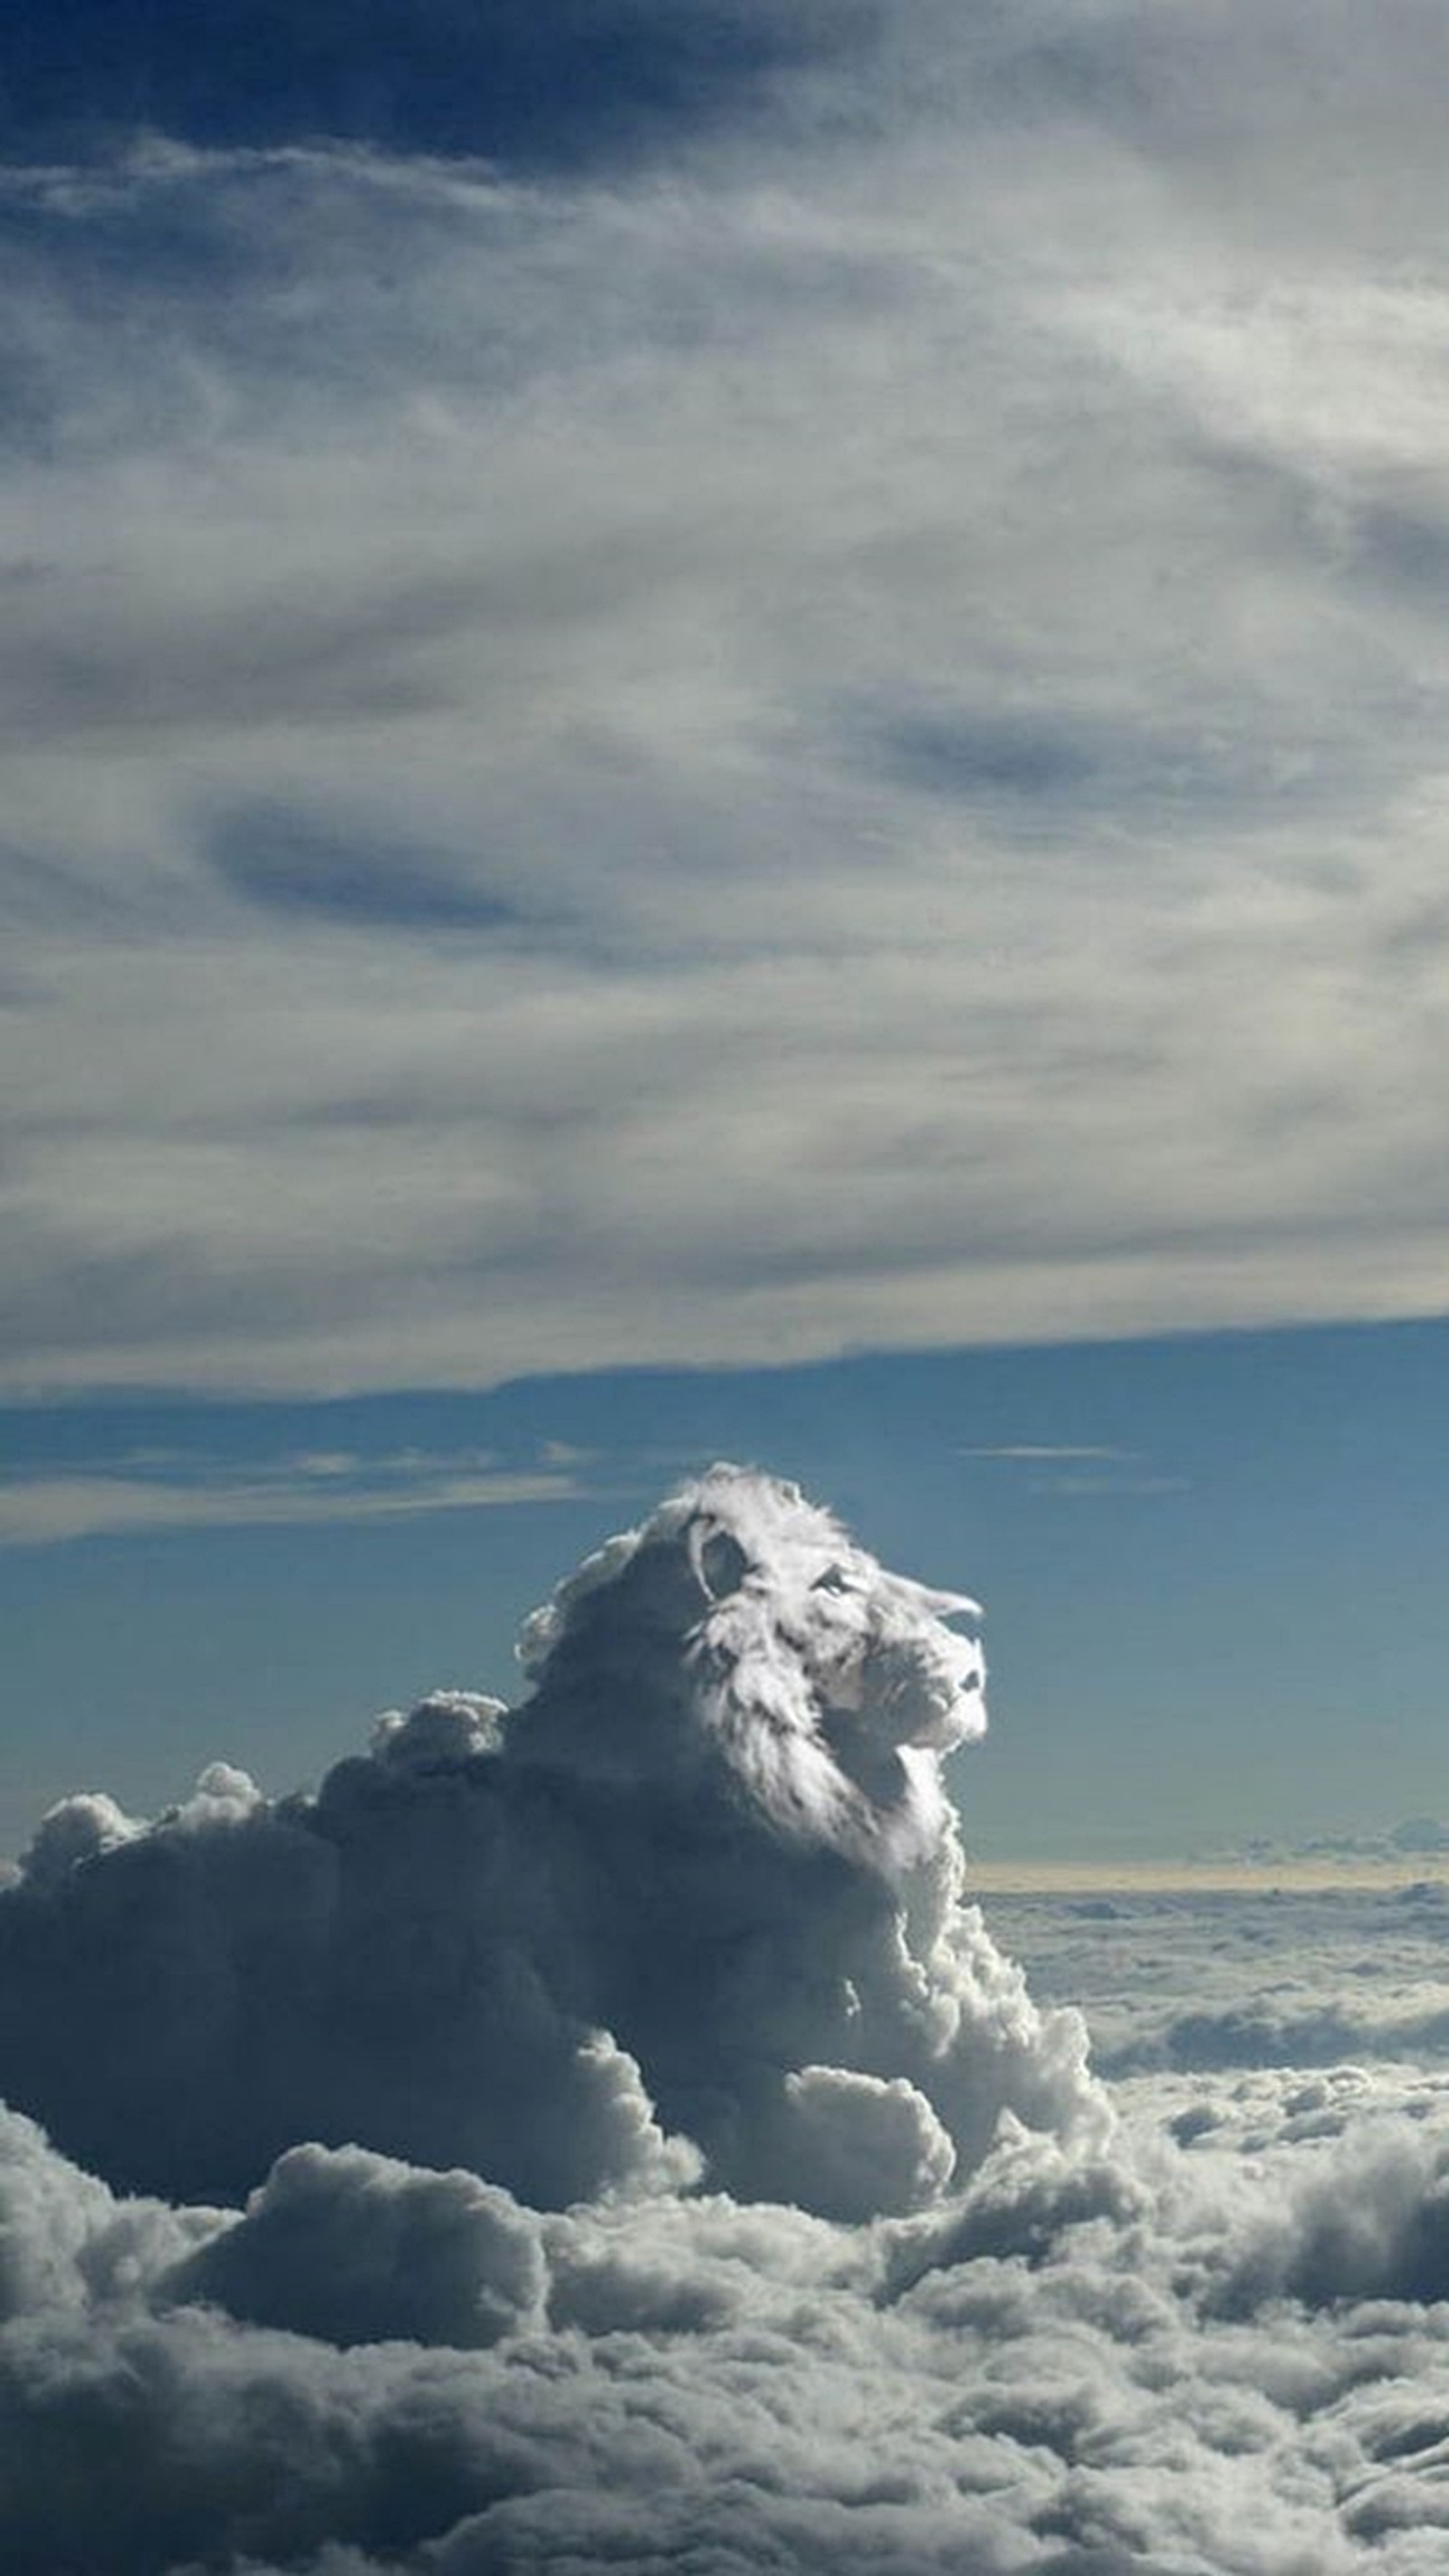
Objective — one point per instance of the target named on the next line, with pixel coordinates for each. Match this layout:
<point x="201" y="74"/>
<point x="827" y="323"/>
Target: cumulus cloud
<point x="695" y="1905"/>
<point x="356" y="2248"/>
<point x="600" y="2133"/>
<point x="1206" y="2364"/>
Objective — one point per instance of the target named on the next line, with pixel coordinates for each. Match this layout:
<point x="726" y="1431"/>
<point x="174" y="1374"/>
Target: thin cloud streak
<point x="1087" y="1469"/>
<point x="47" y="1511"/>
<point x="1037" y="1453"/>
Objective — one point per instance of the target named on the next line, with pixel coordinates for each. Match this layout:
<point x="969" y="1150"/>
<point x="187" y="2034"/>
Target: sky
<point x="1211" y="1568"/>
<point x="723" y="730"/>
<point x="723" y="737"/>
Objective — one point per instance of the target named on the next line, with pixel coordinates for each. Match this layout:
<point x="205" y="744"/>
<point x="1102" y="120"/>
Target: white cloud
<point x="1211" y="1980"/>
<point x="1211" y="2360"/>
<point x="1041" y="1453"/>
<point x="1080" y="1469"/>
<point x="43" y="1510"/>
<point x="1199" y="2332"/>
<point x="837" y="744"/>
<point x="696" y="1903"/>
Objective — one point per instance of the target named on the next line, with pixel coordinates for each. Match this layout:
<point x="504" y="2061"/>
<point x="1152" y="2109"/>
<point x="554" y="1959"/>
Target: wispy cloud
<point x="1083" y="1468"/>
<point x="45" y="1510"/>
<point x="835" y="742"/>
<point x="1036" y="1453"/>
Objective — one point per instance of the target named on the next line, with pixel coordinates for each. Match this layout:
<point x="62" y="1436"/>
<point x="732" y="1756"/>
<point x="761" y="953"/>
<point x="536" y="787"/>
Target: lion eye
<point x="723" y="1565"/>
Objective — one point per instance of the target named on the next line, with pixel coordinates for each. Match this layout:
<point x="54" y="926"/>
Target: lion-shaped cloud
<point x="692" y="1911"/>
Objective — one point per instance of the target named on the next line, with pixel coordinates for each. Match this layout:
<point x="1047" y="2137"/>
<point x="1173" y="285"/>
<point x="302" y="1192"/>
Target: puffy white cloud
<point x="75" y="1831"/>
<point x="1201" y="2332"/>
<point x="698" y="1897"/>
<point x="1121" y="2373"/>
<point x="357" y="2248"/>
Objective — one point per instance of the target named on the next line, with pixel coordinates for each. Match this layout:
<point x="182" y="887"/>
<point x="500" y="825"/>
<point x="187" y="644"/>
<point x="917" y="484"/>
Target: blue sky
<point x="1212" y="1567"/>
<point x="688" y="689"/>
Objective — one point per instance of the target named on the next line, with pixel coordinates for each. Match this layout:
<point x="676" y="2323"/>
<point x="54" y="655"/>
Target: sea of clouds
<point x="602" y="2134"/>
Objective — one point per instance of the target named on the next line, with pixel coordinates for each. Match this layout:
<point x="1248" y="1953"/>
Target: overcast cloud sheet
<point x="712" y="683"/>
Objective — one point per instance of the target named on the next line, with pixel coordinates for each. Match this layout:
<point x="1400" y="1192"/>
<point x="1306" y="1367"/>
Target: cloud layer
<point x="820" y="727"/>
<point x="826" y="2253"/>
<point x="1212" y="1983"/>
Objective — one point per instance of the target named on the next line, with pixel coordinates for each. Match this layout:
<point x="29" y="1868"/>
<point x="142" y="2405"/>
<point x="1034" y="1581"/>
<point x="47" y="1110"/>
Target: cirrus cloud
<point x="831" y="737"/>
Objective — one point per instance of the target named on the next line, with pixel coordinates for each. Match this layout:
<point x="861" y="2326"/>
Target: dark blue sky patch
<point x="1040" y="771"/>
<point x="1405" y="550"/>
<point x="530" y="82"/>
<point x="291" y="863"/>
<point x="966" y="754"/>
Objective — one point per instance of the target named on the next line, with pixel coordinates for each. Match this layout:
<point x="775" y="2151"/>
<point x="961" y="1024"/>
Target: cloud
<point x="484" y="753"/>
<point x="1420" y="1834"/>
<point x="1044" y="1453"/>
<point x="695" y="1905"/>
<point x="45" y="1510"/>
<point x="1217" y="2363"/>
<point x="497" y="2284"/>
<point x="356" y="2248"/>
<point x="1080" y="1468"/>
<point x="1083" y="1470"/>
<point x="1215" y="1981"/>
